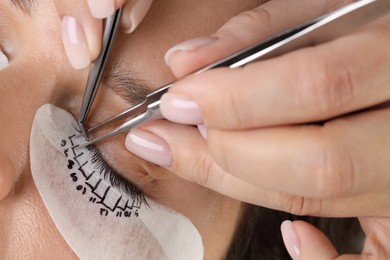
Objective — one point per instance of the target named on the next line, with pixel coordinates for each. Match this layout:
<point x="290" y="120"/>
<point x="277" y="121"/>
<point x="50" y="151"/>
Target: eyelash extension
<point x="114" y="178"/>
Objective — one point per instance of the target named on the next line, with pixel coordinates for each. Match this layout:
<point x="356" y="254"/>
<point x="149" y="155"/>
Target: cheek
<point x="25" y="226"/>
<point x="31" y="79"/>
<point x="23" y="88"/>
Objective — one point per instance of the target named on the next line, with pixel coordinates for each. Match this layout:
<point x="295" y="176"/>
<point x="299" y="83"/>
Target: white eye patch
<point x="4" y="62"/>
<point x="97" y="220"/>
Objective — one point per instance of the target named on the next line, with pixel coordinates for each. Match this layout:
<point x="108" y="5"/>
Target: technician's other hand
<point x="82" y="25"/>
<point x="306" y="132"/>
<point x="305" y="242"/>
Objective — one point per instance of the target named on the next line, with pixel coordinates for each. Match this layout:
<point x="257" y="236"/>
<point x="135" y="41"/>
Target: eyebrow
<point x="125" y="84"/>
<point x="25" y="5"/>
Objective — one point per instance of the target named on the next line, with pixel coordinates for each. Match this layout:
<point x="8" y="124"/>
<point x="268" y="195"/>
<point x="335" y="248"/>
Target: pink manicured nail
<point x="75" y="43"/>
<point x="189" y="45"/>
<point x="101" y="8"/>
<point x="133" y="15"/>
<point x="290" y="239"/>
<point x="149" y="147"/>
<point x="180" y="109"/>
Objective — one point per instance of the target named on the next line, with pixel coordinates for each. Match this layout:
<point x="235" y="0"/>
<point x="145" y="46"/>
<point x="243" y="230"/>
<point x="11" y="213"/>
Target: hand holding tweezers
<point x="97" y="70"/>
<point x="318" y="31"/>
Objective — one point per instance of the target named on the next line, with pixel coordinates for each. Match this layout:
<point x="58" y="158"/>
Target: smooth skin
<point x="263" y="144"/>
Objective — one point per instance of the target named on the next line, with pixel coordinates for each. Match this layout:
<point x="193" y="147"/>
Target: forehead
<point x="168" y="23"/>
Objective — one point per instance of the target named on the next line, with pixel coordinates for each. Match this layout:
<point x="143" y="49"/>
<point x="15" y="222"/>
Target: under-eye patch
<point x="99" y="216"/>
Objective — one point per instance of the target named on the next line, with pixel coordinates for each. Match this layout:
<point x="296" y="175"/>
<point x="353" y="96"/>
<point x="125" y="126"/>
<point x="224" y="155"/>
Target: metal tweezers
<point x="317" y="31"/>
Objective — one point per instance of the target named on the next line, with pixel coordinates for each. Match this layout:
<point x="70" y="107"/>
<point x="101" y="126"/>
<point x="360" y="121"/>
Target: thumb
<point x="304" y="241"/>
<point x="243" y="30"/>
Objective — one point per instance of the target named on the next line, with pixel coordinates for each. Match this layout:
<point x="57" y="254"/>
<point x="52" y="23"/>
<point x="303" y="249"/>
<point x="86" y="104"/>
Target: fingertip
<point x="101" y="9"/>
<point x="290" y="239"/>
<point x="119" y="3"/>
<point x="313" y="242"/>
<point x="75" y="43"/>
<point x="93" y="31"/>
<point x="192" y="55"/>
<point x="180" y="109"/>
<point x="134" y="14"/>
<point x="190" y="45"/>
<point x="149" y="147"/>
<point x="185" y="143"/>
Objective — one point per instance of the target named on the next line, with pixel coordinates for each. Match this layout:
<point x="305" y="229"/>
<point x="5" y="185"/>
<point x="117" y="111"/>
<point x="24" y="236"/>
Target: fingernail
<point x="101" y="8"/>
<point x="189" y="45"/>
<point x="290" y="239"/>
<point x="133" y="15"/>
<point x="149" y="147"/>
<point x="75" y="43"/>
<point x="203" y="131"/>
<point x="180" y="109"/>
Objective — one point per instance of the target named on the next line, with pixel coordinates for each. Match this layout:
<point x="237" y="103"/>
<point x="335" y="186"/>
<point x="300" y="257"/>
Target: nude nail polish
<point x="290" y="239"/>
<point x="148" y="147"/>
<point x="180" y="109"/>
<point x="133" y="15"/>
<point x="101" y="8"/>
<point x="75" y="43"/>
<point x="189" y="45"/>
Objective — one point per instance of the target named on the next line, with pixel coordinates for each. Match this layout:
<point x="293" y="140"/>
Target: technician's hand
<point x="262" y="146"/>
<point x="305" y="242"/>
<point x="82" y="25"/>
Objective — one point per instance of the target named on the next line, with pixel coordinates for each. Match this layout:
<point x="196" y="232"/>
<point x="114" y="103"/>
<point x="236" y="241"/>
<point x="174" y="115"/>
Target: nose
<point x="7" y="176"/>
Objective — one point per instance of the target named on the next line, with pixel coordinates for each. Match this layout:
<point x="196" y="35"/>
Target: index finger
<point x="307" y="85"/>
<point x="265" y="19"/>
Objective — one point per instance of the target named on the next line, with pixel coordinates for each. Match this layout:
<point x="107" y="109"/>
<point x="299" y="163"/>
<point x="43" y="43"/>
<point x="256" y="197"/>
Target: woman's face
<point x="38" y="73"/>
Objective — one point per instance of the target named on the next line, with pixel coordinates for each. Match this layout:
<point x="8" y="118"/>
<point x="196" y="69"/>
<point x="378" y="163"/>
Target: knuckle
<point x="219" y="150"/>
<point x="302" y="206"/>
<point x="235" y="117"/>
<point x="255" y="17"/>
<point x="335" y="4"/>
<point x="328" y="89"/>
<point x="201" y="170"/>
<point x="334" y="172"/>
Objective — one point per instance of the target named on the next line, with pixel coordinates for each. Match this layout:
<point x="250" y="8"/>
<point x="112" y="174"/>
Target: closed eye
<point x="114" y="178"/>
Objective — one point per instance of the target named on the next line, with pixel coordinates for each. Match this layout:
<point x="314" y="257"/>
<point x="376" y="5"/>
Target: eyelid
<point x="114" y="178"/>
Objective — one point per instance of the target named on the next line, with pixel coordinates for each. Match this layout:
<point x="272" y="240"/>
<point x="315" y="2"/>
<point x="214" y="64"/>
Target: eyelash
<point x="114" y="178"/>
<point x="24" y="5"/>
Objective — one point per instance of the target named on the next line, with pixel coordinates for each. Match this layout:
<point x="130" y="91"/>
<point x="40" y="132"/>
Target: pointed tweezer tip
<point x="94" y="141"/>
<point x="84" y="145"/>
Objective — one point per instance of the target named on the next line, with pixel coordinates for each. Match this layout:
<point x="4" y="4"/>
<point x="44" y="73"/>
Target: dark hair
<point x="258" y="235"/>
